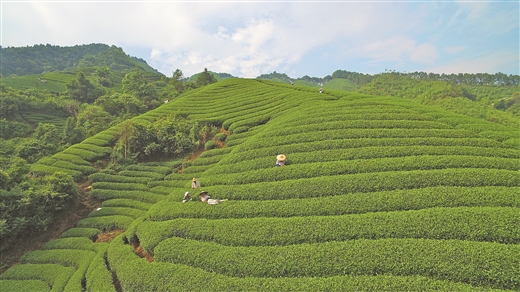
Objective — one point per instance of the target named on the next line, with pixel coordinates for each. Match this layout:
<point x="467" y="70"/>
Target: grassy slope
<point x="379" y="193"/>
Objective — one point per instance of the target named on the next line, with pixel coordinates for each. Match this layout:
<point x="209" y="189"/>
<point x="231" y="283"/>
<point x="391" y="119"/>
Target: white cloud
<point x="497" y="62"/>
<point x="249" y="39"/>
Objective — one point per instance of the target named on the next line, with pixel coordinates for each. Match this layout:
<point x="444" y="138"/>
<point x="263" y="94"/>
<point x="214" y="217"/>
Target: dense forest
<point x="53" y="97"/>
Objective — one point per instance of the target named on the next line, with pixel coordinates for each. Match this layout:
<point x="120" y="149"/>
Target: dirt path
<point x="64" y="220"/>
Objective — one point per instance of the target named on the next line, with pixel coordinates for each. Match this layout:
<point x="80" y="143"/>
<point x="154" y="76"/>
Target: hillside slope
<point x="378" y="193"/>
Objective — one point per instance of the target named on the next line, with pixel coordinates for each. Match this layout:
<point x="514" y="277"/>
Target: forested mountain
<point x="38" y="59"/>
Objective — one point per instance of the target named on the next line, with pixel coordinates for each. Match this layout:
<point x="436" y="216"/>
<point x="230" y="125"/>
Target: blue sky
<point x="249" y="38"/>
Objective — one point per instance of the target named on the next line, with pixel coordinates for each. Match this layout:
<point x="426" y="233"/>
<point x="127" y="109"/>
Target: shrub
<point x="90" y="233"/>
<point x="210" y="145"/>
<point x="23" y="285"/>
<point x="143" y="196"/>
<point x="106" y="223"/>
<point x="54" y="275"/>
<point x="221" y="136"/>
<point x="127" y="203"/>
<point x="98" y="277"/>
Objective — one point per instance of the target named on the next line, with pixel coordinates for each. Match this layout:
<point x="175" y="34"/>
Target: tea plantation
<point x="378" y="193"/>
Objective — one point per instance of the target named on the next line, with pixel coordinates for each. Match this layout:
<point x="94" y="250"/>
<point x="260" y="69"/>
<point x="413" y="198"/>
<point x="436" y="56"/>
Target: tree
<point x="93" y="119"/>
<point x="136" y="84"/>
<point x="177" y="81"/>
<point x="205" y="78"/>
<point x="127" y="131"/>
<point x="82" y="90"/>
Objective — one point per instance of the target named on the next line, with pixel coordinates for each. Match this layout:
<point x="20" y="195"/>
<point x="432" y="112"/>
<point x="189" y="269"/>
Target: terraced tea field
<point x="377" y="193"/>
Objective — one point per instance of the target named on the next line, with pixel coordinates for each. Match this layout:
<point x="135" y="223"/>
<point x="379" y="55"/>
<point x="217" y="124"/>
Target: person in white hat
<point x="280" y="160"/>
<point x="195" y="184"/>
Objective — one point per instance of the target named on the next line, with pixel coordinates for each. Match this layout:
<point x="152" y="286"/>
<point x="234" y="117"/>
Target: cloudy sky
<point x="249" y="38"/>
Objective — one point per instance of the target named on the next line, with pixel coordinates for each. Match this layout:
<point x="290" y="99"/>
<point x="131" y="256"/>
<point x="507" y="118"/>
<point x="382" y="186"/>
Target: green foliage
<point x="205" y="78"/>
<point x="23" y="285"/>
<point x="90" y="233"/>
<point x="106" y="223"/>
<point x="98" y="277"/>
<point x="461" y="259"/>
<point x="54" y="275"/>
<point x="83" y="91"/>
<point x="211" y="144"/>
<point x="32" y="208"/>
<point x="47" y="58"/>
<point x="10" y="130"/>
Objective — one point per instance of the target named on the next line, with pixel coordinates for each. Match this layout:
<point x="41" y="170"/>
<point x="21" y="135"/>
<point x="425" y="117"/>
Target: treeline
<point x="38" y="59"/>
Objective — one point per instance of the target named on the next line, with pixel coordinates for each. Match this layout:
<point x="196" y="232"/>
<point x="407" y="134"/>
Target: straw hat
<point x="202" y="193"/>
<point x="186" y="193"/>
<point x="281" y="157"/>
<point x="194" y="179"/>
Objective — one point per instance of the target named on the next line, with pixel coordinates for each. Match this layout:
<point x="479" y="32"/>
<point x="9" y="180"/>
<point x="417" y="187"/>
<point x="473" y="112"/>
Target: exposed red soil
<point x="143" y="254"/>
<point x="109" y="235"/>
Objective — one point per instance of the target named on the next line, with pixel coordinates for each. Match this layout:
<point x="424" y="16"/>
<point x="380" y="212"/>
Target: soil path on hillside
<point x="63" y="221"/>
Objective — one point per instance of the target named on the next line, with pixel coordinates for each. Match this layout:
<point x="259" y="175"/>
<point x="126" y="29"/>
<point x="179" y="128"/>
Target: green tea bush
<point x="354" y="203"/>
<point x="334" y="144"/>
<point x="80" y="243"/>
<point x="241" y="129"/>
<point x="54" y="275"/>
<point x="195" y="170"/>
<point x="99" y="140"/>
<point x="70" y="158"/>
<point x="211" y="144"/>
<point x="65" y="257"/>
<point x="461" y="260"/>
<point x="85" y="169"/>
<point x="110" y="211"/>
<point x="513" y="143"/>
<point x="120" y="186"/>
<point x="23" y="285"/>
<point x="106" y="223"/>
<point x="308" y="170"/>
<point x="164" y="170"/>
<point x="221" y="136"/>
<point x="490" y="224"/>
<point x="208" y="160"/>
<point x="115" y="178"/>
<point x="142" y="196"/>
<point x="98" y="277"/>
<point x="139" y="173"/>
<point x="47" y="161"/>
<point x="90" y="233"/>
<point x="101" y="151"/>
<point x="366" y="182"/>
<point x="41" y="170"/>
<point x="500" y="136"/>
<point x="83" y="154"/>
<point x="127" y="203"/>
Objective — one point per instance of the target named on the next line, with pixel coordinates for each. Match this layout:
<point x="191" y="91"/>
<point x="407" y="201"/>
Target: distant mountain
<point x="40" y="59"/>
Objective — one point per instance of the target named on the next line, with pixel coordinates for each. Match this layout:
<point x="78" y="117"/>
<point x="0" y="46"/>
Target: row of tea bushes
<point x="322" y="186"/>
<point x="25" y="277"/>
<point x="352" y="203"/>
<point x="363" y="159"/>
<point x="135" y="274"/>
<point x="485" y="264"/>
<point x="491" y="224"/>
